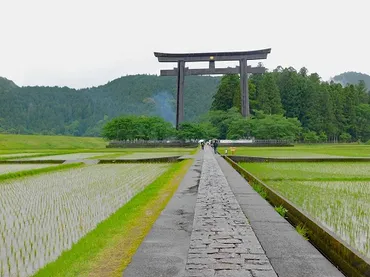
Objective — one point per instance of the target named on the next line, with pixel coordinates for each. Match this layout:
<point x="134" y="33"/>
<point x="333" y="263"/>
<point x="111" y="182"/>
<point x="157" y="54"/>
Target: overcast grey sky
<point x="84" y="43"/>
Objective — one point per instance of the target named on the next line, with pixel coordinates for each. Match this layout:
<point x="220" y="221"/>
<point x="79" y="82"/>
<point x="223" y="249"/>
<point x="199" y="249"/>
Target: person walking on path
<point x="215" y="145"/>
<point x="202" y="144"/>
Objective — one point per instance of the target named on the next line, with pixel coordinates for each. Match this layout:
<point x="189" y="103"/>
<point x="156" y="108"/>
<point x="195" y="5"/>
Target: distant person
<point x="215" y="145"/>
<point x="202" y="144"/>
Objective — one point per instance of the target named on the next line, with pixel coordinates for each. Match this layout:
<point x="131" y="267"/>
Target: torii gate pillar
<point x="244" y="90"/>
<point x="180" y="93"/>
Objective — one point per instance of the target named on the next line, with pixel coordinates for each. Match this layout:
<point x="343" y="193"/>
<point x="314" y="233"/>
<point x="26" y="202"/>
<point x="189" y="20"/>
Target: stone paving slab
<point x="164" y="251"/>
<point x="222" y="241"/>
<point x="289" y="254"/>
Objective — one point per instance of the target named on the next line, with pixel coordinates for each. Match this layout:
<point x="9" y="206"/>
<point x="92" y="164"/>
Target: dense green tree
<point x="268" y="95"/>
<point x="311" y="137"/>
<point x="232" y="125"/>
<point x="253" y="103"/>
<point x="290" y="91"/>
<point x="323" y="137"/>
<point x="228" y="93"/>
<point x="138" y="128"/>
<point x="362" y="92"/>
<point x="345" y="137"/>
<point x="190" y="131"/>
<point x="275" y="127"/>
<point x="221" y="120"/>
<point x="239" y="129"/>
<point x="362" y="122"/>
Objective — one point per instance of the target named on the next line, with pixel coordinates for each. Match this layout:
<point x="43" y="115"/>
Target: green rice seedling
<point x="281" y="210"/>
<point x="302" y="230"/>
<point x="259" y="189"/>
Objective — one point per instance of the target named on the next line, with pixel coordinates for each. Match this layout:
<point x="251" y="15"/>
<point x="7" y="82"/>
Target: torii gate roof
<point x="213" y="56"/>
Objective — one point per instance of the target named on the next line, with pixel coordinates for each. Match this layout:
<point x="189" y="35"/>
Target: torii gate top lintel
<point x="213" y="56"/>
<point x="243" y="69"/>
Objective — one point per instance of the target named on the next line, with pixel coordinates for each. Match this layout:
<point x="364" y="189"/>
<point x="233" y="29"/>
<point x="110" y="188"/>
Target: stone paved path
<point x="222" y="241"/>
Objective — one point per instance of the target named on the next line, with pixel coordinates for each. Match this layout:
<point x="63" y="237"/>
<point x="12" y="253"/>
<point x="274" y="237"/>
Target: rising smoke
<point x="165" y="105"/>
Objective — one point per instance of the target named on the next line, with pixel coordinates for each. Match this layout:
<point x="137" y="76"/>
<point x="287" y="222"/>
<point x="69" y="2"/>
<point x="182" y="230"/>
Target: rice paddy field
<point x="67" y="219"/>
<point x="304" y="151"/>
<point x="55" y="223"/>
<point x="42" y="216"/>
<point x="337" y="194"/>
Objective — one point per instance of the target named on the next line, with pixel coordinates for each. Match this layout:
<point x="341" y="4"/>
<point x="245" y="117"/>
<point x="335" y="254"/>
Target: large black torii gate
<point x="243" y="69"/>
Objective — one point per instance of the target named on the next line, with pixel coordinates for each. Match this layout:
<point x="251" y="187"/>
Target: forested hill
<point x="61" y="110"/>
<point x="6" y="84"/>
<point x="352" y="78"/>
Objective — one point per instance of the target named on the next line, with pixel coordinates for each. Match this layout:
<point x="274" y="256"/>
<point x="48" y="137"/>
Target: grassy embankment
<point x="55" y="145"/>
<point x="34" y="142"/>
<point x="46" y="145"/>
<point x="312" y="151"/>
<point x="108" y="249"/>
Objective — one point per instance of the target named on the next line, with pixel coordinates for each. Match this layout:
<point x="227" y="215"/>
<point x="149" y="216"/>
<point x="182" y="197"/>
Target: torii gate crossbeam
<point x="243" y="69"/>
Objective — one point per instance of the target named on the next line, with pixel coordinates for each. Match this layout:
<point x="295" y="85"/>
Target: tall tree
<point x="228" y="93"/>
<point x="268" y="96"/>
<point x="138" y="127"/>
<point x="362" y="92"/>
<point x="288" y="83"/>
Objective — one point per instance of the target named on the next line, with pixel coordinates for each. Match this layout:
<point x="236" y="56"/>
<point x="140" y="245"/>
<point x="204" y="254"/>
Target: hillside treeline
<point x="316" y="110"/>
<point x="351" y="77"/>
<point x="325" y="110"/>
<point x="65" y="111"/>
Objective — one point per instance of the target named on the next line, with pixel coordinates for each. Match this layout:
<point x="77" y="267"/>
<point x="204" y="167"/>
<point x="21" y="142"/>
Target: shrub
<point x="310" y="137"/>
<point x="281" y="210"/>
<point x="345" y="137"/>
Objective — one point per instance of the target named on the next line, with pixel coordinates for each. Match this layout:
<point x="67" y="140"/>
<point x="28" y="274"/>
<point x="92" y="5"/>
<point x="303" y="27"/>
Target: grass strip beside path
<point x="25" y="173"/>
<point x="109" y="248"/>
